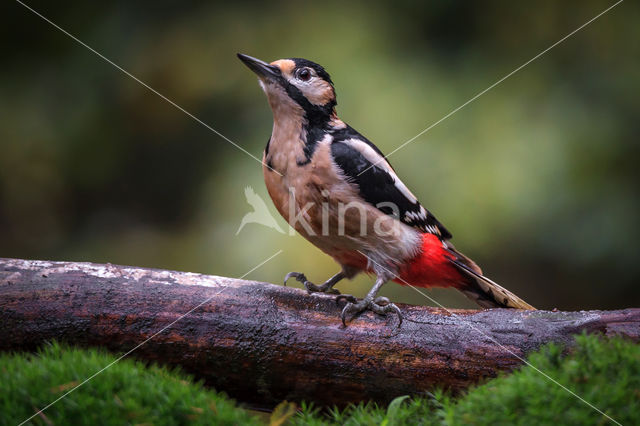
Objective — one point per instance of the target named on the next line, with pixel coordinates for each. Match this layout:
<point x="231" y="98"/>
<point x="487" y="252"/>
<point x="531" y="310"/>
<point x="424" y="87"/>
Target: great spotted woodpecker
<point x="338" y="190"/>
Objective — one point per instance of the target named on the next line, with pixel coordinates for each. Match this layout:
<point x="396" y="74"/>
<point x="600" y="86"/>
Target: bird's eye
<point x="304" y="74"/>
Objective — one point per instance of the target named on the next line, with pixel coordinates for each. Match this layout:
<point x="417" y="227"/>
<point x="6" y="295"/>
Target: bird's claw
<point x="380" y="305"/>
<point x="297" y="275"/>
<point x="311" y="287"/>
<point x="382" y="301"/>
<point x="349" y="298"/>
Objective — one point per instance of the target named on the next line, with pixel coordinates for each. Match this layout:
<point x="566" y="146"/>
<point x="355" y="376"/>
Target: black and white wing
<point x="364" y="165"/>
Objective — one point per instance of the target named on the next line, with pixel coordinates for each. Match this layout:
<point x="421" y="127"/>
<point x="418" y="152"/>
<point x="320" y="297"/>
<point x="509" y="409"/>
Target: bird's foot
<point x="311" y="287"/>
<point x="380" y="305"/>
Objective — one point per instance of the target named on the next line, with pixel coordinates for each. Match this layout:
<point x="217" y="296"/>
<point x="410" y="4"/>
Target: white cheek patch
<point x="317" y="91"/>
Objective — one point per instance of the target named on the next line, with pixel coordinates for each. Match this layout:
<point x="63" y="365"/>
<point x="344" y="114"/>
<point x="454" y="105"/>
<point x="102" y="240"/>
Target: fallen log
<point x="263" y="343"/>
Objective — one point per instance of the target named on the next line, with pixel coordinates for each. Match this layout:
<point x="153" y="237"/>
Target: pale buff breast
<point x="336" y="220"/>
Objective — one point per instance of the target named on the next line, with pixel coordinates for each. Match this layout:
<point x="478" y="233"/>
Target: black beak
<point x="261" y="68"/>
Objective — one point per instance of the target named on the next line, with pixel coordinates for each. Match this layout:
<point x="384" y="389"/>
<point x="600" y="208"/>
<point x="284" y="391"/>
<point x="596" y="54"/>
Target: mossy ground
<point x="605" y="372"/>
<point x="128" y="392"/>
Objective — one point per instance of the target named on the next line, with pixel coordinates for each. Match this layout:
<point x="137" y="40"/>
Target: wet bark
<point x="263" y="343"/>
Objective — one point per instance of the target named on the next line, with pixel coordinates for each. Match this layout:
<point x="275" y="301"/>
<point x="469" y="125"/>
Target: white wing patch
<point x="380" y="186"/>
<point x="375" y="158"/>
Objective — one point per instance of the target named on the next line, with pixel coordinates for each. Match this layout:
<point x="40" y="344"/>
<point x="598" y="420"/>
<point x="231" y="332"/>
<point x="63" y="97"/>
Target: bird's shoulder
<point x="366" y="167"/>
<point x="346" y="132"/>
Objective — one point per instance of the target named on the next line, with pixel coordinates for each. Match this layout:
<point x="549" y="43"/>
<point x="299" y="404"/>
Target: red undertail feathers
<point x="441" y="265"/>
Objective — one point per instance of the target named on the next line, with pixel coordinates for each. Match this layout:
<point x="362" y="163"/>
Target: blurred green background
<point x="537" y="179"/>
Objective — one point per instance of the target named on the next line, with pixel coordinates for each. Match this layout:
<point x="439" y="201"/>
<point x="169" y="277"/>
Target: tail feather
<point x="482" y="290"/>
<point x="439" y="264"/>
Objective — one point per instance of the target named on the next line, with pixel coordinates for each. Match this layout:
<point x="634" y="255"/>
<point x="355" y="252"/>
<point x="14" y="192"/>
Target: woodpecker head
<point x="295" y="86"/>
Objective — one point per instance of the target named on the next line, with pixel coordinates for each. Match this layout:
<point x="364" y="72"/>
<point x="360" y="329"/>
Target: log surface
<point x="263" y="343"/>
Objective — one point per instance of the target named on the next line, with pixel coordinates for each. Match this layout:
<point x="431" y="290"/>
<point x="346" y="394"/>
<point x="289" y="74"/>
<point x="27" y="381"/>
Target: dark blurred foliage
<point x="537" y="179"/>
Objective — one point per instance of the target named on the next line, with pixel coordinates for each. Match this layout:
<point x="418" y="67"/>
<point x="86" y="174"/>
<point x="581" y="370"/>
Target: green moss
<point x="127" y="392"/>
<point x="401" y="411"/>
<point x="605" y="372"/>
